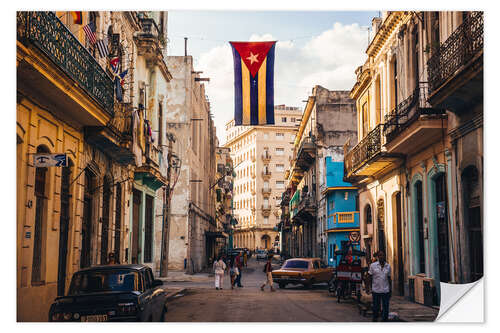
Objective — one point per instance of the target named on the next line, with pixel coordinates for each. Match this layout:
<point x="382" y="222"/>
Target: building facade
<point x="261" y="155"/>
<point x="342" y="213"/>
<point x="328" y="122"/>
<point x="192" y="213"/>
<point x="72" y="217"/>
<point x="224" y="197"/>
<point x="420" y="188"/>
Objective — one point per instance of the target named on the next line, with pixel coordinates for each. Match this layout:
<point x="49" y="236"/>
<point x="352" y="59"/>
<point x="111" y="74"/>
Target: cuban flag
<point x="253" y="83"/>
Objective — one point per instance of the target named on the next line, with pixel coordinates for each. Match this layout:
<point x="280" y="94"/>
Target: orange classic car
<point x="305" y="271"/>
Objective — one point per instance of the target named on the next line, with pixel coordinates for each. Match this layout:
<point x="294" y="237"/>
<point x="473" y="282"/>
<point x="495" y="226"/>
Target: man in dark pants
<point x="379" y="278"/>
<point x="238" y="262"/>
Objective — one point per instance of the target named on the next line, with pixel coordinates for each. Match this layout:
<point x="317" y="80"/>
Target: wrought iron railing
<point x="409" y="111"/>
<point x="462" y="45"/>
<point x="308" y="142"/>
<point x="365" y="150"/>
<point x="306" y="201"/>
<point x="122" y="122"/>
<point x="53" y="38"/>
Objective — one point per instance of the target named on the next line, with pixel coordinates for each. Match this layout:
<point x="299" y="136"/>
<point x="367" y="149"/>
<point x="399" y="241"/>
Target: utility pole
<point x="166" y="212"/>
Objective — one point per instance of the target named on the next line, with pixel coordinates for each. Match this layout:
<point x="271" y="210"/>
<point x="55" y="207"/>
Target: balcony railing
<point x="304" y="155"/>
<point x="266" y="191"/>
<point x="152" y="155"/>
<point x="266" y="174"/>
<point x="365" y="150"/>
<point x="53" y="38"/>
<point x="462" y="45"/>
<point x="409" y="111"/>
<point x="266" y="210"/>
<point x="347" y="217"/>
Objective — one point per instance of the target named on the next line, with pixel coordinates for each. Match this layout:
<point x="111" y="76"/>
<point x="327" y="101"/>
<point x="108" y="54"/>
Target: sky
<point x="314" y="48"/>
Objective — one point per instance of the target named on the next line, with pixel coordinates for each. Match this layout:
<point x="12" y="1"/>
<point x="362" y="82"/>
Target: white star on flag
<point x="253" y="58"/>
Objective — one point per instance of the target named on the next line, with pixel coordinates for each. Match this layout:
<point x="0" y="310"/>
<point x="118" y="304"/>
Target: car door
<point x="157" y="298"/>
<point x="147" y="297"/>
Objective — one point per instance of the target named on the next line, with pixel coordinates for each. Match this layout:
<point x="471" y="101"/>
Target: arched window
<point x="64" y="227"/>
<point x="368" y="214"/>
<point x="40" y="218"/>
<point x="87" y="230"/>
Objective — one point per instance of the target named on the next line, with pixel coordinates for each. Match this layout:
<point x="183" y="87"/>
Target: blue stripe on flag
<point x="270" y="87"/>
<point x="238" y="104"/>
<point x="254" y="100"/>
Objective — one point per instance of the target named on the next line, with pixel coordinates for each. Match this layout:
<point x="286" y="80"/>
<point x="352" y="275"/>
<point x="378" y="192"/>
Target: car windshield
<point x="296" y="264"/>
<point x="261" y="251"/>
<point x="105" y="280"/>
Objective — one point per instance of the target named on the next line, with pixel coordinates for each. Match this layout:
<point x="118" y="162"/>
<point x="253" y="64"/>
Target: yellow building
<point x="72" y="217"/>
<point x="261" y="155"/>
<point x="419" y="105"/>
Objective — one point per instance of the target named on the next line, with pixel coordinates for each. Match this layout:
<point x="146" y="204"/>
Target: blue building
<point x="341" y="207"/>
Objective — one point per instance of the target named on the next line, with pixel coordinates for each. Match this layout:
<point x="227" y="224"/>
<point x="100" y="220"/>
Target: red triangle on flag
<point x="253" y="53"/>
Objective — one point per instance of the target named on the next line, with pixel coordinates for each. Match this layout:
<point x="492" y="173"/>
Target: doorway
<point x="106" y="200"/>
<point x="380" y="225"/>
<point x="63" y="229"/>
<point x="442" y="228"/>
<point x="136" y="213"/>
<point x="399" y="244"/>
<point x="90" y="185"/>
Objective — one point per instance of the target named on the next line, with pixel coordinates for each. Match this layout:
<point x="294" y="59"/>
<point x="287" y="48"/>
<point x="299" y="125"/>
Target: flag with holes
<point x="253" y="82"/>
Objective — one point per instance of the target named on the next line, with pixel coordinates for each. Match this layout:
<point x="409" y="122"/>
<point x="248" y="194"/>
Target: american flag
<point x="102" y="46"/>
<point x="90" y="32"/>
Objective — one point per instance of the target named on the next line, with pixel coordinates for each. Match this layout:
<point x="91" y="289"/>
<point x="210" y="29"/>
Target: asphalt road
<point x="203" y="303"/>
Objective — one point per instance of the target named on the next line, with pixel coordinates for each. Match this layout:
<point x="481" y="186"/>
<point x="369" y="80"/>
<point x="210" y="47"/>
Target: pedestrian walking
<point x="268" y="268"/>
<point x="238" y="262"/>
<point x="219" y="268"/>
<point x="379" y="277"/>
<point x="245" y="258"/>
<point x="233" y="273"/>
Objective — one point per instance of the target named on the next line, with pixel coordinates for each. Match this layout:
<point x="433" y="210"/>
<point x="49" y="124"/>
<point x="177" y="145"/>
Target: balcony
<point x="266" y="191"/>
<point x="52" y="63"/>
<point x="149" y="172"/>
<point x="414" y="124"/>
<point x="266" y="174"/>
<point x="455" y="70"/>
<point x="266" y="210"/>
<point x="266" y="157"/>
<point x="306" y="154"/>
<point x="368" y="158"/>
<point x="343" y="220"/>
<point x="306" y="208"/>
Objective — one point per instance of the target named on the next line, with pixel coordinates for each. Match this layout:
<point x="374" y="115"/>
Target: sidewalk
<point x="181" y="276"/>
<point x="406" y="310"/>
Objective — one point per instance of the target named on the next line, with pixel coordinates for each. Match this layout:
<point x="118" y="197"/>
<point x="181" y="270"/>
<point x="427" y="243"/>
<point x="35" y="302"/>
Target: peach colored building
<point x="261" y="155"/>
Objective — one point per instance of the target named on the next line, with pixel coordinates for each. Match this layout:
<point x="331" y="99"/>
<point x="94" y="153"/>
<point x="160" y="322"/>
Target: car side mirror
<point x="157" y="283"/>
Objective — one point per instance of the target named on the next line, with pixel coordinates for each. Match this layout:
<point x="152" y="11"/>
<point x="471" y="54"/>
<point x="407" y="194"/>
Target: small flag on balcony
<point x="253" y="82"/>
<point x="90" y="32"/>
<point x="119" y="81"/>
<point x="77" y="17"/>
<point x="114" y="62"/>
<point x="102" y="47"/>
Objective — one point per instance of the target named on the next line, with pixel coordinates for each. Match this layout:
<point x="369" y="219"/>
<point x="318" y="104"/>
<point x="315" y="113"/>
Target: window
<point x="366" y="123"/>
<point x="280" y="151"/>
<point x="283" y="119"/>
<point x="40" y="203"/>
<point x="280" y="136"/>
<point x="266" y="220"/>
<point x="280" y="167"/>
<point x="280" y="184"/>
<point x="266" y="184"/>
<point x="331" y="205"/>
<point x="292" y="120"/>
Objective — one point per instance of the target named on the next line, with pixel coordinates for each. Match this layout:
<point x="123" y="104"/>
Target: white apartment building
<point x="261" y="155"/>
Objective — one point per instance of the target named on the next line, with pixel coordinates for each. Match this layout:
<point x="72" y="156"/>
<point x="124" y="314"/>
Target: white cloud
<point x="328" y="59"/>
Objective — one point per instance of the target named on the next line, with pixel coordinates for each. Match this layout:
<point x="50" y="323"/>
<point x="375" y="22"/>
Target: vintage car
<point x="112" y="293"/>
<point x="305" y="271"/>
<point x="261" y="255"/>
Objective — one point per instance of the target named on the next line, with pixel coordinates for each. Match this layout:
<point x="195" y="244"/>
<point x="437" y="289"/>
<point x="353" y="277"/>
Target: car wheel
<point x="282" y="285"/>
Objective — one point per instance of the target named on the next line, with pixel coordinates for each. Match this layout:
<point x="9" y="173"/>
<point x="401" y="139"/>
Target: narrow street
<point x="203" y="303"/>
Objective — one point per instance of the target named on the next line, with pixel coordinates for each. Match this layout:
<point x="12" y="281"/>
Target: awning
<point x="216" y="234"/>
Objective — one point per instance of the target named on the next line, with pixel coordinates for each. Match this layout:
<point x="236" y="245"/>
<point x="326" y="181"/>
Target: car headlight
<point x="67" y="315"/>
<point x="127" y="308"/>
<point x="76" y="316"/>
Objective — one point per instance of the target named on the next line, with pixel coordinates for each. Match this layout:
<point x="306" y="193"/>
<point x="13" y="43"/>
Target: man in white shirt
<point x="380" y="283"/>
